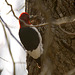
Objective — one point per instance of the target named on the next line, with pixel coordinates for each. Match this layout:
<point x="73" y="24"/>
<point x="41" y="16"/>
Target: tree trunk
<point x="58" y="36"/>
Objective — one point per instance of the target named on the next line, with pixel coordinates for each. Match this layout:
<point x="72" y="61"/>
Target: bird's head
<point x="24" y="17"/>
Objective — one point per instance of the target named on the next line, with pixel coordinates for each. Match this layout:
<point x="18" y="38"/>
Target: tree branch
<point x="2" y="21"/>
<point x="56" y="22"/>
<point x="4" y="59"/>
<point x="69" y="33"/>
<point x="11" y="9"/>
<point x="9" y="49"/>
<point x="64" y="20"/>
<point x="22" y="20"/>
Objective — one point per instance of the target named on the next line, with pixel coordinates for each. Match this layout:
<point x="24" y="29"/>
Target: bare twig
<point x="69" y="33"/>
<point x="20" y="19"/>
<point x="10" y="62"/>
<point x="56" y="22"/>
<point x="2" y="21"/>
<point x="4" y="59"/>
<point x="9" y="49"/>
<point x="43" y="24"/>
<point x="11" y="9"/>
<point x="64" y="20"/>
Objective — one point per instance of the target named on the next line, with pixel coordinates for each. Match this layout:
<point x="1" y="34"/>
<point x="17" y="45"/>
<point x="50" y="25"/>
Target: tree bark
<point x="59" y="47"/>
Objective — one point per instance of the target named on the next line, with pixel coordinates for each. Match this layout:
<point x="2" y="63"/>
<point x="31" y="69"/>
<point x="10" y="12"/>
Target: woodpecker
<point x="30" y="37"/>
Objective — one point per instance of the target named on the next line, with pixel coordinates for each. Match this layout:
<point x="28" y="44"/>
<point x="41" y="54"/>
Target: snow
<point x="1" y="4"/>
<point x="18" y="53"/>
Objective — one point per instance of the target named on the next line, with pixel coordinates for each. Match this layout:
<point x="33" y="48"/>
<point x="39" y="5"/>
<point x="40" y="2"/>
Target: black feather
<point x="29" y="38"/>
